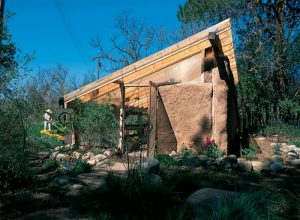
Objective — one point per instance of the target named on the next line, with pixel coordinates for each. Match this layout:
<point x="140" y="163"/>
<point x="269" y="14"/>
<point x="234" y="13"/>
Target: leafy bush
<point x="211" y="149"/>
<point x="186" y="151"/>
<point x="97" y="150"/>
<point x="276" y="149"/>
<point x="296" y="143"/>
<point x="282" y="129"/>
<point x="96" y="123"/>
<point x="50" y="165"/>
<point x="81" y="167"/>
<point x="41" y="142"/>
<point x="165" y="161"/>
<point x="134" y="196"/>
<point x="248" y="153"/>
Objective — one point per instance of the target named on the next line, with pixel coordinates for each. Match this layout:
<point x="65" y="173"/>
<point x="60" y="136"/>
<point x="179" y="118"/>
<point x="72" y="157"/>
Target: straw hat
<point x="49" y="111"/>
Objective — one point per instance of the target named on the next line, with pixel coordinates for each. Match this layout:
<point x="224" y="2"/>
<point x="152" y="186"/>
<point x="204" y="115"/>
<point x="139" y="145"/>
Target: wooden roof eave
<point x="161" y="55"/>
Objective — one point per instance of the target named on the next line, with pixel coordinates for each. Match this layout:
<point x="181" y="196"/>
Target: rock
<point x="108" y="153"/>
<point x="292" y="154"/>
<point x="87" y="156"/>
<point x="208" y="198"/>
<point x="209" y="162"/>
<point x="173" y="153"/>
<point x="58" y="148"/>
<point x="43" y="155"/>
<point x="245" y="165"/>
<point x="277" y="167"/>
<point x="100" y="157"/>
<point x="277" y="158"/>
<point x="76" y="154"/>
<point x="156" y="179"/>
<point x="150" y="165"/>
<point x="233" y="157"/>
<point x="53" y="155"/>
<point x="61" y="180"/>
<point x="203" y="158"/>
<point x="61" y="157"/>
<point x="92" y="161"/>
<point x="235" y="165"/>
<point x="74" y="190"/>
<point x="258" y="166"/>
<point x="295" y="162"/>
<point x="267" y="164"/>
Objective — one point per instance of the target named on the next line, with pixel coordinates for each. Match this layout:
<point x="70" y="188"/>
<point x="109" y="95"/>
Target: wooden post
<point x="122" y="117"/>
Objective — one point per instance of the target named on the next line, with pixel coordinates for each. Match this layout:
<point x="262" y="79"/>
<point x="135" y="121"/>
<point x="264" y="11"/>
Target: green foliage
<point x="263" y="204"/>
<point x="81" y="166"/>
<point x="282" y="129"/>
<point x="134" y="196"/>
<point x="39" y="142"/>
<point x="165" y="161"/>
<point x="212" y="151"/>
<point x="276" y="149"/>
<point x="96" y="123"/>
<point x="50" y="165"/>
<point x="185" y="151"/>
<point x="296" y="143"/>
<point x="248" y="153"/>
<point x="97" y="150"/>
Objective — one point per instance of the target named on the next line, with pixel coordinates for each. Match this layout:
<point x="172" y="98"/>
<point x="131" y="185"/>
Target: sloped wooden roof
<point x="164" y="58"/>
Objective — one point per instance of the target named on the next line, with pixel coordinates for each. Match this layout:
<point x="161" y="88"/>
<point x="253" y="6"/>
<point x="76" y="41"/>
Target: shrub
<point x="296" y="143"/>
<point x="81" y="167"/>
<point x="97" y="150"/>
<point x="282" y="129"/>
<point x="276" y="149"/>
<point x="165" y="161"/>
<point x="134" y="196"/>
<point x="50" y="165"/>
<point x="96" y="123"/>
<point x="211" y="149"/>
<point x="248" y="153"/>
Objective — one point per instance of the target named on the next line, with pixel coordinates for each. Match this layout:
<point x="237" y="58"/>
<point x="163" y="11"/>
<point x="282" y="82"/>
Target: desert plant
<point x="276" y="149"/>
<point x="165" y="161"/>
<point x="80" y="166"/>
<point x="248" y="153"/>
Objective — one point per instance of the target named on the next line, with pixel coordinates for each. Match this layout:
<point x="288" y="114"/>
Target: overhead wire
<point x="67" y="22"/>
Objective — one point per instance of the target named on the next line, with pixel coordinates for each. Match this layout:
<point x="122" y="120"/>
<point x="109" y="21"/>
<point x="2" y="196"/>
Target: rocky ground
<point x="51" y="194"/>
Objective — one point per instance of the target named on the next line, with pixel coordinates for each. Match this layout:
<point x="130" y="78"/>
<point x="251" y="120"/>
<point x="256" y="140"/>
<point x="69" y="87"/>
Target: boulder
<point x="276" y="167"/>
<point x="244" y="164"/>
<point x="258" y="166"/>
<point x="100" y="157"/>
<point x="53" y="155"/>
<point x="91" y="161"/>
<point x="277" y="158"/>
<point x="267" y="164"/>
<point x="108" y="153"/>
<point x="76" y="154"/>
<point x="231" y="158"/>
<point x="61" y="157"/>
<point x="292" y="154"/>
<point x="150" y="165"/>
<point x="203" y="158"/>
<point x="208" y="198"/>
<point x="173" y="153"/>
<point x="61" y="180"/>
<point x="295" y="162"/>
<point x="87" y="156"/>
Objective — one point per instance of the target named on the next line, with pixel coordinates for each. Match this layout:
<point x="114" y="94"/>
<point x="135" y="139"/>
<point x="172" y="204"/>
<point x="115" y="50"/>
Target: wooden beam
<point x="122" y="118"/>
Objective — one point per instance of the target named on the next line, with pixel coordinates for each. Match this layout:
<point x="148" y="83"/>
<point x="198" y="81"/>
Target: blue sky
<point x="37" y="27"/>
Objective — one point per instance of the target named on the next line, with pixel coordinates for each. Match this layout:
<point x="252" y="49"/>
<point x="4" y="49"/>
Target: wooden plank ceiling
<point x="106" y="90"/>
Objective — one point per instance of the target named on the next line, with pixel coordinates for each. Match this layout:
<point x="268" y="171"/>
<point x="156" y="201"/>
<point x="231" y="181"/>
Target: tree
<point x="267" y="51"/>
<point x="133" y="40"/>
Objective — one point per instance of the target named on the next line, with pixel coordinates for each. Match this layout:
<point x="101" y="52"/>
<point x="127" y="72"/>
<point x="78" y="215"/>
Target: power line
<point x="69" y="27"/>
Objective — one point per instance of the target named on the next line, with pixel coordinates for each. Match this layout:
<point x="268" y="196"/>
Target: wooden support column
<point x="122" y="118"/>
<point x="152" y="111"/>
